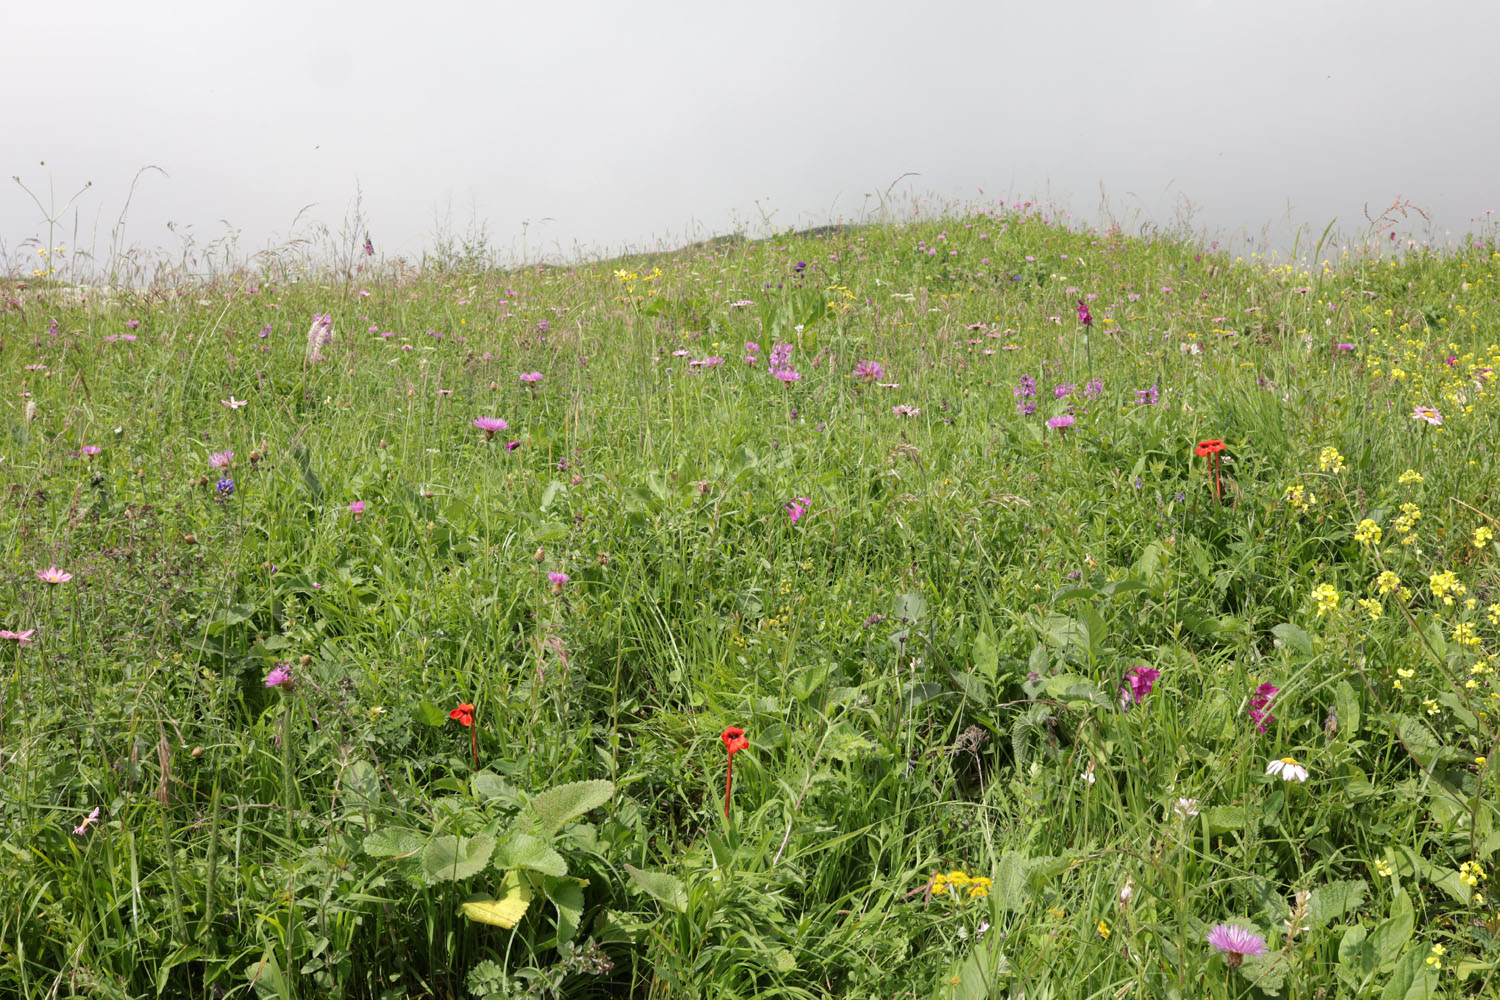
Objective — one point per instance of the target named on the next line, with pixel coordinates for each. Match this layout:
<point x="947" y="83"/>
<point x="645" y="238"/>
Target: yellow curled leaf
<point x="507" y="911"/>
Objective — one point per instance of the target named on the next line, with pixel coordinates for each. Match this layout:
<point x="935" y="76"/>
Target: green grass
<point x="928" y="661"/>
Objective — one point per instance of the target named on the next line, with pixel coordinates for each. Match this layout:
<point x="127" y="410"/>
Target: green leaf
<point x="267" y="980"/>
<point x="523" y="850"/>
<point x="986" y="657"/>
<point x="1296" y="638"/>
<point x="556" y="807"/>
<point x="1266" y="972"/>
<point x="1331" y="901"/>
<point x="665" y="889"/>
<point x="1011" y="890"/>
<point x="1356" y="954"/>
<point x="1346" y="706"/>
<point x="429" y="714"/>
<point x="392" y="843"/>
<point x="1411" y="979"/>
<point x="507" y="911"/>
<point x="1392" y="933"/>
<point x="567" y="896"/>
<point x="1223" y="819"/>
<point x="909" y="608"/>
<point x="980" y="973"/>
<point x="449" y="858"/>
<point x="489" y="786"/>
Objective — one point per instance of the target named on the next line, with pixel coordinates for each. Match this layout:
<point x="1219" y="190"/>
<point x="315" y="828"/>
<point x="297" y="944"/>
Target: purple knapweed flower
<point x="280" y="676"/>
<point x="357" y="508"/>
<point x="531" y="377"/>
<point x="490" y="425"/>
<point x="869" y="371"/>
<point x="512" y="445"/>
<point x="1236" y="943"/>
<point x="220" y="459"/>
<point x="1061" y="423"/>
<point x="787" y="374"/>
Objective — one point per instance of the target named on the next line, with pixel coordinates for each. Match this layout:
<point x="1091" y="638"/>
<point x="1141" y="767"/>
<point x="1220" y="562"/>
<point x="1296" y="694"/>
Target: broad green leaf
<point x="489" y="786"/>
<point x="665" y="889"/>
<point x="1330" y="902"/>
<point x="449" y="858"/>
<point x="507" y="911"/>
<point x="1266" y="972"/>
<point x="1294" y="637"/>
<point x="1392" y="933"/>
<point x="1355" y="952"/>
<point x="979" y="974"/>
<point x="1346" y="707"/>
<point x="1011" y="891"/>
<point x="909" y="607"/>
<point x="556" y="807"/>
<point x="429" y="714"/>
<point x="392" y="843"/>
<point x="522" y="850"/>
<point x="1412" y="978"/>
<point x="1223" y="819"/>
<point x="266" y="979"/>
<point x="986" y="657"/>
<point x="567" y="895"/>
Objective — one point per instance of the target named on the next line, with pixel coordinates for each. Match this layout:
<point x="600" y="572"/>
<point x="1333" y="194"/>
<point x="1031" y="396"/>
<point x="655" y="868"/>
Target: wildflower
<point x="1471" y="873"/>
<point x="1298" y="498"/>
<point x="1410" y="477"/>
<point x="906" y="411"/>
<point x="1464" y="635"/>
<point x="220" y="459"/>
<point x="1482" y="535"/>
<point x="490" y="425"/>
<point x="1088" y="773"/>
<point x="22" y="639"/>
<point x="53" y="575"/>
<point x="234" y="404"/>
<point x="1435" y="957"/>
<point x="1102" y="929"/>
<point x="531" y="377"/>
<point x="1329" y="460"/>
<point x="788" y="374"/>
<point x="869" y="371"/>
<point x="1061" y="423"/>
<point x="1093" y="387"/>
<point x="1427" y="413"/>
<point x="224" y="488"/>
<point x="557" y="580"/>
<point x="1326" y="597"/>
<point x="1025" y="387"/>
<point x="1288" y="769"/>
<point x="1185" y="808"/>
<point x="735" y="740"/>
<point x="512" y="445"/>
<point x="464" y="713"/>
<point x="1382" y="868"/>
<point x="1063" y="390"/>
<point x="1407" y="520"/>
<point x="89" y="820"/>
<point x="1260" y="706"/>
<point x="1127" y="891"/>
<point x="319" y="336"/>
<point x="1387" y="582"/>
<point x="1371" y="607"/>
<point x="1138" y="681"/>
<point x="1430" y="705"/>
<point x="1083" y="314"/>
<point x="1236" y="943"/>
<point x="796" y="507"/>
<point x="1492" y="614"/>
<point x="1147" y="397"/>
<point x="1445" y="586"/>
<point x="357" y="508"/>
<point x="1367" y="533"/>
<point x="979" y="887"/>
<point x="91" y="450"/>
<point x="280" y="676"/>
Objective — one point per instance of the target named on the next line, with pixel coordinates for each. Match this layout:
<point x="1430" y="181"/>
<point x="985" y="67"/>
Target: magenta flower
<point x="91" y="450"/>
<point x="89" y="820"/>
<point x="535" y="376"/>
<point x="512" y="445"/>
<point x="490" y="425"/>
<point x="220" y="459"/>
<point x="1236" y="942"/>
<point x="356" y="507"/>
<point x="1138" y="681"/>
<point x="280" y="676"/>
<point x="787" y="374"/>
<point x="558" y="579"/>
<point x="797" y="507"/>
<point x="869" y="371"/>
<point x="902" y="410"/>
<point x="53" y="575"/>
<point x="22" y="638"/>
<point x="132" y="324"/>
<point x="1083" y="314"/>
<point x="1260" y="706"/>
<point x="1061" y="423"/>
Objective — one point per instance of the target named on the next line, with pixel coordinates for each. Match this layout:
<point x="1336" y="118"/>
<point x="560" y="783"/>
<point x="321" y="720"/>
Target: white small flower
<point x="1127" y="892"/>
<point x="1288" y="768"/>
<point x="1185" y="808"/>
<point x="1088" y="773"/>
<point x="234" y="404"/>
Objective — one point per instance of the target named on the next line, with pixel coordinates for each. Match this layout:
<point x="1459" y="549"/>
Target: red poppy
<point x="464" y="713"/>
<point x="1206" y="448"/>
<point x="735" y="740"/>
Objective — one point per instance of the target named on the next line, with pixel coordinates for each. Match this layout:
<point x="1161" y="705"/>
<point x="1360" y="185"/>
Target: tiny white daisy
<point x="1288" y="768"/>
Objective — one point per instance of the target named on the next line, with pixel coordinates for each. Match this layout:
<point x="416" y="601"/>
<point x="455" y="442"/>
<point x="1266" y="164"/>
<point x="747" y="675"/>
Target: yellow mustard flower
<point x="1371" y="607"/>
<point x="1482" y="536"/>
<point x="1410" y="477"/>
<point x="1367" y="533"/>
<point x="1326" y="597"/>
<point x="1329" y="460"/>
<point x="1387" y="582"/>
<point x="1445" y="586"/>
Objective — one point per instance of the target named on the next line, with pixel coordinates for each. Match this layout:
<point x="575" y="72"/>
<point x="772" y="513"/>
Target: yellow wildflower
<point x="1326" y="597"/>
<point x="1410" y="477"/>
<point x="1445" y="586"/>
<point x="1329" y="460"/>
<point x="1482" y="536"/>
<point x="1382" y="869"/>
<point x="1371" y="607"/>
<point x="1299" y="499"/>
<point x="1387" y="582"/>
<point x="1102" y="929"/>
<point x="1463" y="634"/>
<point x="1368" y="532"/>
<point x="1470" y="873"/>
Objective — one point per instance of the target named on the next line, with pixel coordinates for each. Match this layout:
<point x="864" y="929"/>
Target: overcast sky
<point x="601" y="126"/>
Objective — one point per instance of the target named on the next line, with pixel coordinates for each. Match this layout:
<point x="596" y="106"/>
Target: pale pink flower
<point x="1236" y="942"/>
<point x="234" y="404"/>
<point x="89" y="820"/>
<point x="53" y="575"/>
<point x="220" y="459"/>
<point x="23" y="639"/>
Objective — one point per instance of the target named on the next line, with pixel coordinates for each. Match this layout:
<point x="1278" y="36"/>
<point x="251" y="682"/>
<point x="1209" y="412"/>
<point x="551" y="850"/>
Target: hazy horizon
<point x="599" y="129"/>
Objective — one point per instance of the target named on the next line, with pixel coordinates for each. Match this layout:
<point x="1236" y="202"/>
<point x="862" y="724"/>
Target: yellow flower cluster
<point x="1407" y="522"/>
<point x="1471" y="873"/>
<point x="1299" y="499"/>
<point x="1445" y="586"/>
<point x="1326" y="597"/>
<point x="1464" y="634"/>
<point x="1329" y="460"/>
<point x="1387" y="582"/>
<point x="1371" y="607"/>
<point x="1482" y="536"/>
<point x="974" y="887"/>
<point x="1410" y="477"/>
<point x="1367" y="533"/>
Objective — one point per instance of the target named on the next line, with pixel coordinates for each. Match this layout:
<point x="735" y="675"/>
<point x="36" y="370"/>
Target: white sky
<point x="660" y="121"/>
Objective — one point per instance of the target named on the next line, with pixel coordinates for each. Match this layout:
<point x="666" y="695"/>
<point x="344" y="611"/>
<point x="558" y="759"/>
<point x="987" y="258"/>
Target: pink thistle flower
<point x="280" y="676"/>
<point x="537" y="376"/>
<point x="512" y="445"/>
<point x="1061" y="423"/>
<point x="903" y="410"/>
<point x="91" y="450"/>
<point x="53" y="575"/>
<point x="356" y="507"/>
<point x="787" y="375"/>
<point x="558" y="580"/>
<point x="220" y="459"/>
<point x="1236" y="942"/>
<point x="490" y="425"/>
<point x="869" y="371"/>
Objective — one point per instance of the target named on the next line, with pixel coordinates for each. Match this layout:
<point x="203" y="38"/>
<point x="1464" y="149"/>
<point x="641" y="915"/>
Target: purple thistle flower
<point x="532" y="377"/>
<point x="869" y="371"/>
<point x="280" y="676"/>
<point x="1061" y="423"/>
<point x="1236" y="942"/>
<point x="490" y="425"/>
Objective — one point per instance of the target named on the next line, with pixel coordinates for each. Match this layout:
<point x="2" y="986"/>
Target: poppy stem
<point x="474" y="746"/>
<point x="728" y="781"/>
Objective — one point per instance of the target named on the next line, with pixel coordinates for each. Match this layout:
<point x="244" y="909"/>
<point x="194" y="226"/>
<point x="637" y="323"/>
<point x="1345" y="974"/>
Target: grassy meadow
<point x="1100" y="616"/>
